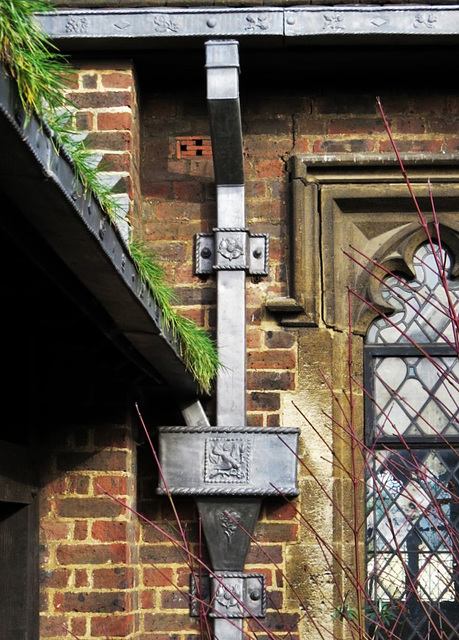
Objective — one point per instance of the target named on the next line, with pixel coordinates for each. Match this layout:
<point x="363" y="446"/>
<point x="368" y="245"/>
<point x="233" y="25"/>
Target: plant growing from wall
<point x="40" y="73"/>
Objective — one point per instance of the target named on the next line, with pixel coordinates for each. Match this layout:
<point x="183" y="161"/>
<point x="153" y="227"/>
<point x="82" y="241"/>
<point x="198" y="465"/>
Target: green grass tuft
<point x="41" y="73"/>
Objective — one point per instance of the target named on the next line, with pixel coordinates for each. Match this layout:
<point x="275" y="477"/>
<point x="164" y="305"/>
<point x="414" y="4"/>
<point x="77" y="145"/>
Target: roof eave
<point x="42" y="184"/>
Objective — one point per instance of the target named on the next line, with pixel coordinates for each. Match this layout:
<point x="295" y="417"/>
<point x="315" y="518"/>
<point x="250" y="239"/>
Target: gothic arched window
<point x="412" y="435"/>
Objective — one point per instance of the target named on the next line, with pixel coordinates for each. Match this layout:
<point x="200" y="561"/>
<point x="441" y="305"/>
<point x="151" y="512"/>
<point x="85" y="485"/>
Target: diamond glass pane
<point x="412" y="541"/>
<point x="423" y="311"/>
<point x="416" y="396"/>
<point x="412" y="490"/>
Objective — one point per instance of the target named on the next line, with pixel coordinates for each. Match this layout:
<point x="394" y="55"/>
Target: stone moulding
<point x="360" y="206"/>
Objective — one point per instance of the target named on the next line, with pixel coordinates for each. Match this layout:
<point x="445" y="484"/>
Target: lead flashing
<point x="264" y="26"/>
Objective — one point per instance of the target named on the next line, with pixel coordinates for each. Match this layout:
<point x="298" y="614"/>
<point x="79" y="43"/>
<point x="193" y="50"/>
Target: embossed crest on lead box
<point x="227" y="460"/>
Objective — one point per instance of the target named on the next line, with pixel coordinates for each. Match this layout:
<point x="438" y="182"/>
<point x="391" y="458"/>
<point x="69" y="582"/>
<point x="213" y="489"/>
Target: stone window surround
<point x="333" y="202"/>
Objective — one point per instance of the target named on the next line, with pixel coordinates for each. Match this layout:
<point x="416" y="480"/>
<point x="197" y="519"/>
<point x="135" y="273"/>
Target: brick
<point x="97" y="461"/>
<point x="94" y="602"/>
<point x="80" y="531"/>
<point x="109" y="531"/>
<point x="113" y="485"/>
<point x="110" y="140"/>
<point x="279" y="509"/>
<point x="78" y="626"/>
<point x="89" y="80"/>
<point x="81" y="578"/>
<point x="54" y="578"/>
<point x="114" y="121"/>
<point x="153" y="577"/>
<point x="356" y="126"/>
<point x="413" y="146"/>
<point x="264" y="554"/>
<point x="174" y="600"/>
<point x="255" y="420"/>
<point x="79" y="484"/>
<point x="273" y="420"/>
<point x="270" y="169"/>
<point x="117" y="80"/>
<point x="344" y="146"/>
<point x="414" y="125"/>
<point x="88" y="508"/>
<point x="188" y="191"/>
<point x="117" y="578"/>
<point x="68" y="554"/>
<point x="169" y="622"/>
<point x="100" y="99"/>
<point x="272" y="359"/>
<point x="111" y="626"/>
<point x="52" y="626"/>
<point x="263" y="401"/>
<point x="270" y="381"/>
<point x="279" y="339"/>
<point x="54" y="530"/>
<point x="161" y="554"/>
<point x="84" y="121"/>
<point x="115" y="162"/>
<point x="266" y="532"/>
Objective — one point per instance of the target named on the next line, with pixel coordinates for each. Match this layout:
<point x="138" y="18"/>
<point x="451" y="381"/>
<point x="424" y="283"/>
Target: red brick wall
<point x="104" y="572"/>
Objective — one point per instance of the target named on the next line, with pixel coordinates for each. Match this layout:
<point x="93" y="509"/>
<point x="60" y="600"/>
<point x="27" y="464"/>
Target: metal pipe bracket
<point x="228" y="595"/>
<point x="230" y="249"/>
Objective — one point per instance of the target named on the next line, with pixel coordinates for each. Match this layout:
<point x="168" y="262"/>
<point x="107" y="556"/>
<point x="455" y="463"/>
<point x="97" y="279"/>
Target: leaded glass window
<point x="412" y="418"/>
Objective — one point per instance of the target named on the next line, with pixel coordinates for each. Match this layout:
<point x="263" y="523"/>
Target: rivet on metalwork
<point x="211" y="23"/>
<point x="291" y="20"/>
<point x="255" y="595"/>
<point x="257" y="253"/>
<point x="206" y="252"/>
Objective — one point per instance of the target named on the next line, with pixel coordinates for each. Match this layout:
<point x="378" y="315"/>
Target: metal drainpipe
<point x="222" y="64"/>
<point x="231" y="467"/>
